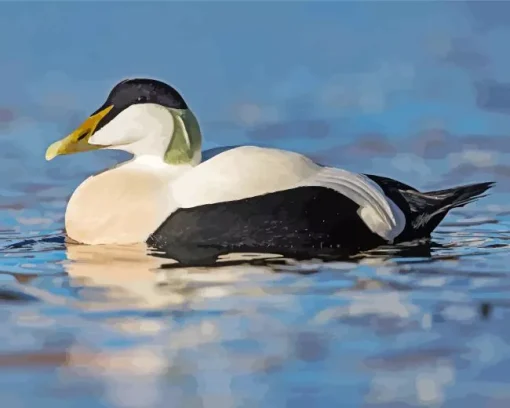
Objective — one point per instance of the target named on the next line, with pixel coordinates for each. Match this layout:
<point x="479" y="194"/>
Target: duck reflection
<point x="139" y="276"/>
<point x="133" y="275"/>
<point x="126" y="274"/>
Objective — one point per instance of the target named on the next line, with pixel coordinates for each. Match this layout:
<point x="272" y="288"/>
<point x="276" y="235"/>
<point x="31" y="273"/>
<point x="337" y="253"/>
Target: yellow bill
<point x="78" y="140"/>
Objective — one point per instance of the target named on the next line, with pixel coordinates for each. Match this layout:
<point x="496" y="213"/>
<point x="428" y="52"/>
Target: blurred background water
<point x="418" y="91"/>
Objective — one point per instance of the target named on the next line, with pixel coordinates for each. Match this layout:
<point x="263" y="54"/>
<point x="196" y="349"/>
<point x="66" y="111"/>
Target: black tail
<point x="428" y="209"/>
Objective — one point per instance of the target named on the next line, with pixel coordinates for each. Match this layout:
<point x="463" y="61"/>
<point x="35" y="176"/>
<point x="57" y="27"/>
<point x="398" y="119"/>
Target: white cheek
<point x="131" y="125"/>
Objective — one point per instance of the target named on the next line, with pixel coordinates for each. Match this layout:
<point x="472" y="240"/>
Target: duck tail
<point x="432" y="206"/>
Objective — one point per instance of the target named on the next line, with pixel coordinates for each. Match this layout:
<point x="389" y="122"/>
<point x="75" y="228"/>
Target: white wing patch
<point x="380" y="213"/>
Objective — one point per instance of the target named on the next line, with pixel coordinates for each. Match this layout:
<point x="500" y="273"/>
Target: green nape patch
<point x="186" y="140"/>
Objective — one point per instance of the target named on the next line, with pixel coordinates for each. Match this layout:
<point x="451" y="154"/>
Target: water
<point x="411" y="91"/>
<point x="106" y="326"/>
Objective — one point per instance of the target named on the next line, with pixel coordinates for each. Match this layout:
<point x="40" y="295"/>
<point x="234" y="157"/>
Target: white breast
<point x="120" y="206"/>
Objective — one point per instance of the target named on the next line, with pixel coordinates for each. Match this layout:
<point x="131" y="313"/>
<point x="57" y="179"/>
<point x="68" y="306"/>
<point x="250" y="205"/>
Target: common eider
<point x="244" y="199"/>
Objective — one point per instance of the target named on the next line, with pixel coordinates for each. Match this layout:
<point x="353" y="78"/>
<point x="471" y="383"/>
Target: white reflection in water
<point x="423" y="385"/>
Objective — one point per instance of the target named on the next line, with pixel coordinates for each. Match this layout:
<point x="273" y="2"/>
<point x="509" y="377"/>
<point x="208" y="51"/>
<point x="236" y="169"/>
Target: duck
<point x="179" y="200"/>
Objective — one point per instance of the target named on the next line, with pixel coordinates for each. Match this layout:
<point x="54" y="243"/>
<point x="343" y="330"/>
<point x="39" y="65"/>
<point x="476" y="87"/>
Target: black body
<point x="290" y="222"/>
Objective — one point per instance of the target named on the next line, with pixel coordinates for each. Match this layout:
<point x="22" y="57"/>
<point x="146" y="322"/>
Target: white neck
<point x="157" y="163"/>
